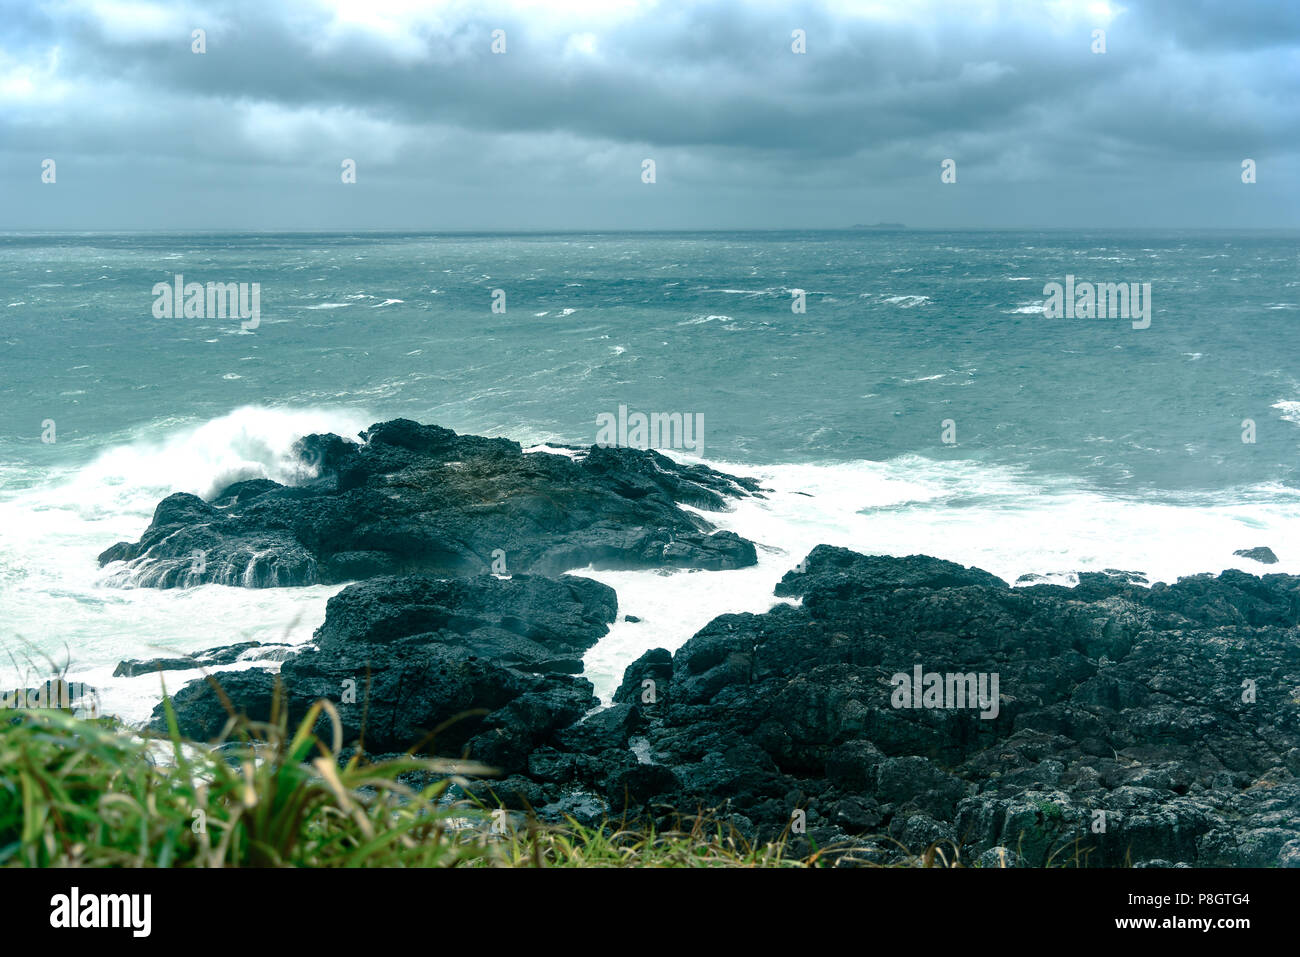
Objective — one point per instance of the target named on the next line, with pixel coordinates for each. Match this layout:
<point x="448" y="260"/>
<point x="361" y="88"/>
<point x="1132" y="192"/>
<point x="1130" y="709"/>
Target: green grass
<point x="88" y="793"/>
<point x="92" y="793"/>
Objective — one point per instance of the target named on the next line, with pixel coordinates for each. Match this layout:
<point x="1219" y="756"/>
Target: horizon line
<point x="506" y="231"/>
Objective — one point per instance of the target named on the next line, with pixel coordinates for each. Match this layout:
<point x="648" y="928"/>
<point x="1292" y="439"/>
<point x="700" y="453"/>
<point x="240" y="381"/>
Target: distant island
<point x="879" y="226"/>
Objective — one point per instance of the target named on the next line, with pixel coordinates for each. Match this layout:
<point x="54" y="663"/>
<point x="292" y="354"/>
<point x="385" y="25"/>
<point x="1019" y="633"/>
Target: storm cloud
<point x="744" y="132"/>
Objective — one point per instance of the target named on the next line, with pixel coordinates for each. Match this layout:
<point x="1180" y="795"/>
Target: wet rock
<point x="213" y="657"/>
<point x="419" y="499"/>
<point x="439" y="666"/>
<point x="1262" y="554"/>
<point x="1133" y="723"/>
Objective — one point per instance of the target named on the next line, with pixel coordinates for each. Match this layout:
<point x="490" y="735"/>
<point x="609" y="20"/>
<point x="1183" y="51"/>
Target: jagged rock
<point x="1132" y="724"/>
<point x="1290" y="854"/>
<point x="439" y="665"/>
<point x="655" y="665"/>
<point x="213" y="657"/>
<point x="419" y="499"/>
<point x="999" y="857"/>
<point x="1263" y="554"/>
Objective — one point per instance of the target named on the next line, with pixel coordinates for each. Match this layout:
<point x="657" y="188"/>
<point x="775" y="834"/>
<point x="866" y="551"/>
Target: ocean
<point x="921" y="402"/>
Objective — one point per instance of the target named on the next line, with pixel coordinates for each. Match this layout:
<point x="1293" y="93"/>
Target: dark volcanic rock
<point x="200" y="707"/>
<point x="213" y="657"/>
<point x="1156" y="726"/>
<point x="656" y="666"/>
<point x="1132" y="724"/>
<point x="419" y="499"/>
<point x="1263" y="554"/>
<point x="518" y="622"/>
<point x="442" y="665"/>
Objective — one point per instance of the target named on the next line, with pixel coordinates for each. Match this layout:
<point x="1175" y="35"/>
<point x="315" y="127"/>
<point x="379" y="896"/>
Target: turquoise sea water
<point x="902" y="330"/>
<point x="1080" y="443"/>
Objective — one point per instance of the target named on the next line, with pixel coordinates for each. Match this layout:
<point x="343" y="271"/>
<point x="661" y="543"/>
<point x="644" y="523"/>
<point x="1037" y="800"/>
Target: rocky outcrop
<point x="212" y="658"/>
<point x="1131" y="724"/>
<point x="419" y="499"/>
<point x="1264" y="555"/>
<point x="484" y="663"/>
<point x="902" y="701"/>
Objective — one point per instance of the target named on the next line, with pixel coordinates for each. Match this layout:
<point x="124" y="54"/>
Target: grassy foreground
<point x="91" y="793"/>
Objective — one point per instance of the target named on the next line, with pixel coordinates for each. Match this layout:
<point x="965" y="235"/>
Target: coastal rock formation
<point x="419" y="499"/>
<point x="213" y="657"/>
<point x="484" y="662"/>
<point x="1133" y="724"/>
<point x="1107" y="724"/>
<point x="1264" y="555"/>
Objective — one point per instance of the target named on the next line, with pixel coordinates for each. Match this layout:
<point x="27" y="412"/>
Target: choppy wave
<point x="57" y="602"/>
<point x="1290" y="410"/>
<point x="700" y="320"/>
<point x="997" y="519"/>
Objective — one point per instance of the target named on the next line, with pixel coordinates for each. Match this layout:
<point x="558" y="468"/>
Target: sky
<point x="1041" y="129"/>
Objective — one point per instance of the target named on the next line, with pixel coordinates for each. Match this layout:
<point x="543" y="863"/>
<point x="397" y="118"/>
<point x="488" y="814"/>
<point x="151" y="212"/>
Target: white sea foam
<point x="992" y="518"/>
<point x="54" y="600"/>
<point x="1290" y="410"/>
<point x="575" y="454"/>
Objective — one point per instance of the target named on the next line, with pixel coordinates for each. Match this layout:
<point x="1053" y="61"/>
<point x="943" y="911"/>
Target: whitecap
<point x="1290" y="410"/>
<point x="907" y="302"/>
<point x="998" y="519"/>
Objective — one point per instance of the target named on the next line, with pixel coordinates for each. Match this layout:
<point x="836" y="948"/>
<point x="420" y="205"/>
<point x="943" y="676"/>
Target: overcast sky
<point x="147" y="134"/>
